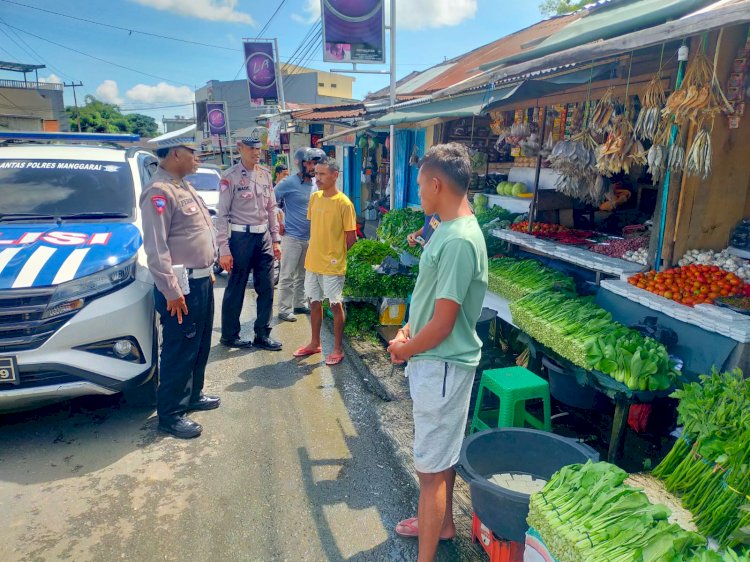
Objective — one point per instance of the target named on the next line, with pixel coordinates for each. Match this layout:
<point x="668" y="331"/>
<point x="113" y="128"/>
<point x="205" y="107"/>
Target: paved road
<point x="291" y="467"/>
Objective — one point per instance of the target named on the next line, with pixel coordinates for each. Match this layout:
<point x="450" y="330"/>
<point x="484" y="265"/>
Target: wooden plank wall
<point x="708" y="210"/>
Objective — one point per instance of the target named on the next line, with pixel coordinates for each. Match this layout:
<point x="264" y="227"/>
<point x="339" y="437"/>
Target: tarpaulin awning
<point x="453" y="108"/>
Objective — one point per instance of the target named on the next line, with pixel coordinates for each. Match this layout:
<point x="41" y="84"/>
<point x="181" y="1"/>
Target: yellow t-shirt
<point x="330" y="218"/>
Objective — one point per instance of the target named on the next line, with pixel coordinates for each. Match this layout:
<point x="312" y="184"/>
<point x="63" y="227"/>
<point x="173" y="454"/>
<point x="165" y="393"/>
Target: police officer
<point x="180" y="248"/>
<point x="248" y="236"/>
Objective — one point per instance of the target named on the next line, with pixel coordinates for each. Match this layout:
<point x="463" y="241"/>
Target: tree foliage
<point x="100" y="117"/>
<point x="560" y="7"/>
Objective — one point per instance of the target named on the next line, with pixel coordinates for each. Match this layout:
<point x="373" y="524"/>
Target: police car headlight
<point x="72" y="295"/>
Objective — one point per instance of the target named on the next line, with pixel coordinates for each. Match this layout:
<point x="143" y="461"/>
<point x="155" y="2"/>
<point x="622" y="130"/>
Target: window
<point x="321" y="85"/>
<point x="333" y="85"/>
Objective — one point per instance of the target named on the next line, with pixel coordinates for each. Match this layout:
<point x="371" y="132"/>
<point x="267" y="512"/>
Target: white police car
<point x="76" y="301"/>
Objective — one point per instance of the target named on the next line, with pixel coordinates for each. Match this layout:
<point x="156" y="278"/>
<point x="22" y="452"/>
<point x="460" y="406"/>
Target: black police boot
<point x="264" y="341"/>
<point x="205" y="402"/>
<point x="302" y="310"/>
<point x="236" y="342"/>
<point x="181" y="427"/>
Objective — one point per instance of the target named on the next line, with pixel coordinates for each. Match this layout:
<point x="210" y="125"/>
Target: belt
<point x="202" y="273"/>
<point x="250" y="229"/>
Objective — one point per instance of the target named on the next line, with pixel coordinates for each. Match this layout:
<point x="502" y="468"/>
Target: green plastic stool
<point x="513" y="386"/>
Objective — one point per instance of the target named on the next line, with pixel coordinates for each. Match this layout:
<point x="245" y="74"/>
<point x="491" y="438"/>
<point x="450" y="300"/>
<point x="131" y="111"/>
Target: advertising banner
<point x="261" y="73"/>
<point x="353" y="31"/>
<point x="216" y="115"/>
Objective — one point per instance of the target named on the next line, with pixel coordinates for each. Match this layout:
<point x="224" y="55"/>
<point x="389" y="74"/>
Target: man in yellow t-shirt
<point x="333" y="227"/>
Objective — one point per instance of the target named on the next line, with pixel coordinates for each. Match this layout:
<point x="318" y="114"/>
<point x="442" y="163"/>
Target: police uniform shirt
<point x="177" y="230"/>
<point x="246" y="197"/>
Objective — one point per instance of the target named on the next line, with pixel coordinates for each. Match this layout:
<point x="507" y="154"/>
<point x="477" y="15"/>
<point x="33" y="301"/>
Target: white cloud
<point x="411" y="14"/>
<point x="312" y="12"/>
<point x="51" y="79"/>
<point x="423" y="14"/>
<point x="108" y="92"/>
<point x="160" y="93"/>
<point x="211" y="10"/>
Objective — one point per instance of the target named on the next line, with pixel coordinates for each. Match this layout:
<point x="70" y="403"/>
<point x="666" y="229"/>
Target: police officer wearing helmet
<point x="294" y="194"/>
<point x="248" y="236"/>
<point x="180" y="246"/>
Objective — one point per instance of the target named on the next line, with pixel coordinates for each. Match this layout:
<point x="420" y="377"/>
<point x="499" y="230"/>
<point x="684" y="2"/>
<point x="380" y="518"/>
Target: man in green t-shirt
<point x="440" y="342"/>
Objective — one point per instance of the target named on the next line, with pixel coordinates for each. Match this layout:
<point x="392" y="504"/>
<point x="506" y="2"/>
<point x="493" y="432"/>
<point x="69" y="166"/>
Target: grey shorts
<point x="320" y="287"/>
<point x="440" y="394"/>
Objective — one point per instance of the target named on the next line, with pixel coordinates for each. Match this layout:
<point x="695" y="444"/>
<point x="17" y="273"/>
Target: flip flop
<point x="305" y="351"/>
<point x="334" y="359"/>
<point x="408" y="529"/>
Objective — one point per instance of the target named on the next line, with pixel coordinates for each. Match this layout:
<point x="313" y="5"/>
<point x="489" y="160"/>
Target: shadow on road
<point x="281" y="375"/>
<point x="107" y="425"/>
<point x="367" y="500"/>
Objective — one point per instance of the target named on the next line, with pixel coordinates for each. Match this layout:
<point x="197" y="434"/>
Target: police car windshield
<point x="204" y="181"/>
<point x="87" y="189"/>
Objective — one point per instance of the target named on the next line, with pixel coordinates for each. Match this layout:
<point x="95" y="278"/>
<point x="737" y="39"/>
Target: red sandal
<point x="408" y="529"/>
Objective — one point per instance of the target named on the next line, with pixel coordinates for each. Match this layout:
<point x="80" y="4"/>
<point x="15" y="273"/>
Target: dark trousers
<point x="251" y="252"/>
<point x="184" y="351"/>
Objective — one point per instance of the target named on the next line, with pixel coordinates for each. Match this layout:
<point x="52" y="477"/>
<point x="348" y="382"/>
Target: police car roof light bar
<point x="93" y="137"/>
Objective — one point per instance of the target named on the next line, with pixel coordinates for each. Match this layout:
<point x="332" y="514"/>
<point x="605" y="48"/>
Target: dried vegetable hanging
<point x="654" y="98"/>
<point x="621" y="150"/>
<point x="575" y="161"/>
<point x="603" y="113"/>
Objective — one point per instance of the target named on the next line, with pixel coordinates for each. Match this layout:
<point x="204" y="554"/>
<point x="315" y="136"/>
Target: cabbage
<point x="518" y="189"/>
<point x="480" y="201"/>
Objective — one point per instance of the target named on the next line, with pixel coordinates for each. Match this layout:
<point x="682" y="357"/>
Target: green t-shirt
<point x="453" y="266"/>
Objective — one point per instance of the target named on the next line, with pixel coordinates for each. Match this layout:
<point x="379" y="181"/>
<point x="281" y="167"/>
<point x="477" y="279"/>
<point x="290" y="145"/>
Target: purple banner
<point x="353" y="31"/>
<point x="261" y="73"/>
<point x="216" y="115"/>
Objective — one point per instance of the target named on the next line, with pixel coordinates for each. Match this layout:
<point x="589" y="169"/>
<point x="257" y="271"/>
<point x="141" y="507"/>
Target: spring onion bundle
<point x="585" y="334"/>
<point x="514" y="279"/>
<point x="709" y="466"/>
<point x="586" y="513"/>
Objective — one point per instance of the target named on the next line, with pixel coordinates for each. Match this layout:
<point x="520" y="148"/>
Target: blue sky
<point x="428" y="32"/>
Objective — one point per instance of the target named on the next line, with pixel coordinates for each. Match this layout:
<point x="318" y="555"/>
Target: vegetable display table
<point x="620" y="394"/>
<point x="499" y="305"/>
<point x="598" y="263"/>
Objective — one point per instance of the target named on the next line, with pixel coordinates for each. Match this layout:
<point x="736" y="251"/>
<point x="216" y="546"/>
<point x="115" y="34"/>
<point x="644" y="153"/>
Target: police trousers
<point x="185" y="348"/>
<point x="251" y="252"/>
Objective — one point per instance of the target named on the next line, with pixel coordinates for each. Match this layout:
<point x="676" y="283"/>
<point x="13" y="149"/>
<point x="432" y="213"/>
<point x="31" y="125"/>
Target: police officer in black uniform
<point x="180" y="246"/>
<point x="248" y="237"/>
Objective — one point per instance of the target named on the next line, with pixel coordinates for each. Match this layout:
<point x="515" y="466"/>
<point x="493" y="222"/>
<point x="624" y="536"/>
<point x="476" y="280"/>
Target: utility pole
<point x="392" y="151"/>
<point x="75" y="100"/>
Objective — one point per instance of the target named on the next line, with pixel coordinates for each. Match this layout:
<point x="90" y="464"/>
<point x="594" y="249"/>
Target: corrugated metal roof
<point x="331" y="112"/>
<point x="467" y="65"/>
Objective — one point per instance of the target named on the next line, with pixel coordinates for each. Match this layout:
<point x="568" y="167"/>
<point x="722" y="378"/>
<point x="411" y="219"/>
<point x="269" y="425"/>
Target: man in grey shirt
<point x="180" y="246"/>
<point x="293" y="194"/>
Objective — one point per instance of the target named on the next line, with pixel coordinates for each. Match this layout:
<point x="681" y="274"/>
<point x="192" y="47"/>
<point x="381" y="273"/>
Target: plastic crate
<point x="498" y="550"/>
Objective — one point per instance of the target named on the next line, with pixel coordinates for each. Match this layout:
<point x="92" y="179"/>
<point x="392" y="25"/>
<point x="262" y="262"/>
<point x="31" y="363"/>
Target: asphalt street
<point x="293" y="466"/>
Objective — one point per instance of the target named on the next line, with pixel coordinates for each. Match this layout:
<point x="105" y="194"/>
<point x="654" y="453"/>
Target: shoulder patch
<point x="224" y="184"/>
<point x="160" y="203"/>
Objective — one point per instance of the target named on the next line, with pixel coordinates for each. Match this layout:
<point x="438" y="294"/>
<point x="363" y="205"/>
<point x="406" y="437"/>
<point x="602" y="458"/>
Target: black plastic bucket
<point x="565" y="388"/>
<point x="483" y="324"/>
<point x="512" y="449"/>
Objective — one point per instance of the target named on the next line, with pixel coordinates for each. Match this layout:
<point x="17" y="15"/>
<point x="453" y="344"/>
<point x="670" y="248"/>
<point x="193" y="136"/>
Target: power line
<point x="129" y="30"/>
<point x="149" y="108"/>
<point x="99" y="59"/>
<point x="262" y="31"/>
<point x="31" y="49"/>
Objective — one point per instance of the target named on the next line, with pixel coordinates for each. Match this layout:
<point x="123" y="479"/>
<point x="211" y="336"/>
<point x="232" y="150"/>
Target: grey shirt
<point x="177" y="230"/>
<point x="246" y="197"/>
